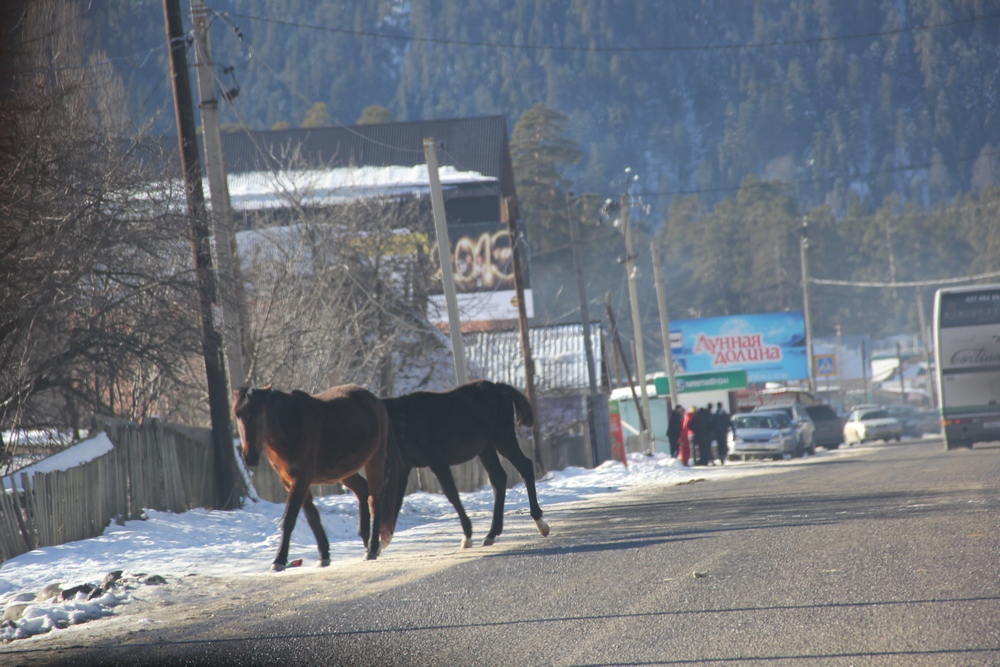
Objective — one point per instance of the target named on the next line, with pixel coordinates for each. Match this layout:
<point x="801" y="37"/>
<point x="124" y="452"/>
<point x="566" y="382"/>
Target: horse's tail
<point x="525" y="415"/>
<point x="393" y="487"/>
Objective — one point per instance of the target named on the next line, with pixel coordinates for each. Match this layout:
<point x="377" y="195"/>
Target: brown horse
<point x="440" y="429"/>
<point x="322" y="439"/>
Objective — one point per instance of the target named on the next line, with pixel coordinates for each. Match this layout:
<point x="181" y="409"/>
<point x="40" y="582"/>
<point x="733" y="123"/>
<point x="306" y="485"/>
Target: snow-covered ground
<point x="243" y="542"/>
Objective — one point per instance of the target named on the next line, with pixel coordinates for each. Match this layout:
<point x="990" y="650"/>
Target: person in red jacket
<point x="684" y="451"/>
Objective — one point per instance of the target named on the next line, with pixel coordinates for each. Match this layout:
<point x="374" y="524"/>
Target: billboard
<point x="769" y="347"/>
<point x="483" y="269"/>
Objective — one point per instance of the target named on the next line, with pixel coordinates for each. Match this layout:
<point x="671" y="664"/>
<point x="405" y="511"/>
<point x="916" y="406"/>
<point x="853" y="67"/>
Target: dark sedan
<point x="829" y="426"/>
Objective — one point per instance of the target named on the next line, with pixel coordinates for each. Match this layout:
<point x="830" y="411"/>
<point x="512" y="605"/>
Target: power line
<point x="253" y="54"/>
<point x="608" y="49"/>
<point x="821" y="179"/>
<point x="225" y="16"/>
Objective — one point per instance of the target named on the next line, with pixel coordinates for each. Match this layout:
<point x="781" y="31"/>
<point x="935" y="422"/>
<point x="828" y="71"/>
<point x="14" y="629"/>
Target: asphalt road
<point x="881" y="555"/>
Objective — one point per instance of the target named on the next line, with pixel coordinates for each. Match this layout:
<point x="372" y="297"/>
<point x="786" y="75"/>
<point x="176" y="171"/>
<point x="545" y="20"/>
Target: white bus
<point x="967" y="349"/>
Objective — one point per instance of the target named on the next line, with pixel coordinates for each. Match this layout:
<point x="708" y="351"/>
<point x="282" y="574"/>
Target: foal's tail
<point x="525" y="416"/>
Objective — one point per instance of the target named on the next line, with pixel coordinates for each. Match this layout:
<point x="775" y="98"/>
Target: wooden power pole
<point x="509" y="213"/>
<point x="804" y="257"/>
<point x="600" y="446"/>
<point x="238" y="344"/>
<point x="444" y="255"/>
<point x="648" y="440"/>
<point x="229" y="494"/>
<point x="661" y="298"/>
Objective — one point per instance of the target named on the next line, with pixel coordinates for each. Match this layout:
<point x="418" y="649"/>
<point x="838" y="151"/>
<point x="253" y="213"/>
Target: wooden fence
<point x="152" y="466"/>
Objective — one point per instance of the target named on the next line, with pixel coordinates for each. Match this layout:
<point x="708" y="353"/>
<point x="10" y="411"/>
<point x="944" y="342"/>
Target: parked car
<point x="762" y="434"/>
<point x="869" y="425"/>
<point x="912" y="421"/>
<point x="805" y="430"/>
<point x="829" y="432"/>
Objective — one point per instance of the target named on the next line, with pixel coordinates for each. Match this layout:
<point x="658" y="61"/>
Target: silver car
<point x="805" y="429"/>
<point x="762" y="434"/>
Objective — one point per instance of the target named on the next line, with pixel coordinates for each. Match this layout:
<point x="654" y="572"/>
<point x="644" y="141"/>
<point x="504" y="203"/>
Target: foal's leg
<point x="296" y="495"/>
<point x="498" y="479"/>
<point x="443" y="473"/>
<point x="359" y="486"/>
<point x="510" y="449"/>
<point x="312" y="516"/>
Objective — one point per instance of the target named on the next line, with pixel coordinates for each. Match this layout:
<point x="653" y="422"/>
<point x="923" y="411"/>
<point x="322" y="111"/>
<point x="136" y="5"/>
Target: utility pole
<point x="661" y="298"/>
<point x="643" y="427"/>
<point x="899" y="365"/>
<point x="215" y="367"/>
<point x="235" y="325"/>
<point x="804" y="253"/>
<point x="640" y="362"/>
<point x="444" y="255"/>
<point x="574" y="236"/>
<point x="509" y="213"/>
<point x="864" y="370"/>
<point x="597" y="438"/>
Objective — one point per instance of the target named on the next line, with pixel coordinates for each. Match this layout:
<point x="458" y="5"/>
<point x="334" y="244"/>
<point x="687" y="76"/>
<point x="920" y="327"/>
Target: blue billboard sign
<point x="769" y="347"/>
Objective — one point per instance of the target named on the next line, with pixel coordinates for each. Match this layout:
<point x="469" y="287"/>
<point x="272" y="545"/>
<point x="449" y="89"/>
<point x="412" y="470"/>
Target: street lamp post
<point x="804" y="253"/>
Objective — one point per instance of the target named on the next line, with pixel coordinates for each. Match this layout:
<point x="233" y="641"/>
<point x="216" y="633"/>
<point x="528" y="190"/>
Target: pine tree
<point x="541" y="151"/>
<point x="375" y="114"/>
<point x="317" y="116"/>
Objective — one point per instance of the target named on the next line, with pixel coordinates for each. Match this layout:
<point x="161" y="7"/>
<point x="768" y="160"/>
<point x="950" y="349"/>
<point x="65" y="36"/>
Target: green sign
<point x="691" y="382"/>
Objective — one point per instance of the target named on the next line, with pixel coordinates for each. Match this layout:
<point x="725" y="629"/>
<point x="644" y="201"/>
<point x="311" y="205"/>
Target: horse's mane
<point x="284" y="415"/>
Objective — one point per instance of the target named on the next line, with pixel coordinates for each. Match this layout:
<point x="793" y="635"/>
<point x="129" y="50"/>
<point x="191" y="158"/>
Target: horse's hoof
<point x="467" y="543"/>
<point x="277" y="567"/>
<point x="371" y="555"/>
<point x="543" y="527"/>
<point x="488" y="542"/>
<point x="323" y="562"/>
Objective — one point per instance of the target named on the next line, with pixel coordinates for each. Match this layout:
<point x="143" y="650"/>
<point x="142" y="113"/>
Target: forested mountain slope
<point x="693" y="94"/>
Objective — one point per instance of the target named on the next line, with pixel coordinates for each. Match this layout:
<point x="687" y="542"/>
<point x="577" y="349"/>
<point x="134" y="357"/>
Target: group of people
<point x="691" y="434"/>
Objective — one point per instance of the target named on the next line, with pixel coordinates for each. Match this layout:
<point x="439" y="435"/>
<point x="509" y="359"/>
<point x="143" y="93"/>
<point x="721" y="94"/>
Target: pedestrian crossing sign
<point x="825" y="364"/>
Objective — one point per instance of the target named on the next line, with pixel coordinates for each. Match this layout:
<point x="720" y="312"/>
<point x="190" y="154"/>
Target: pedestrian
<point x="674" y="425"/>
<point x="723" y="423"/>
<point x="684" y="442"/>
<point x="703" y="434"/>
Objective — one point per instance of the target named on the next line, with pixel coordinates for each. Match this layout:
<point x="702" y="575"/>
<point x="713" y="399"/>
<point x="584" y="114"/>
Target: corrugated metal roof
<point x="468" y="144"/>
<point x="558" y="351"/>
